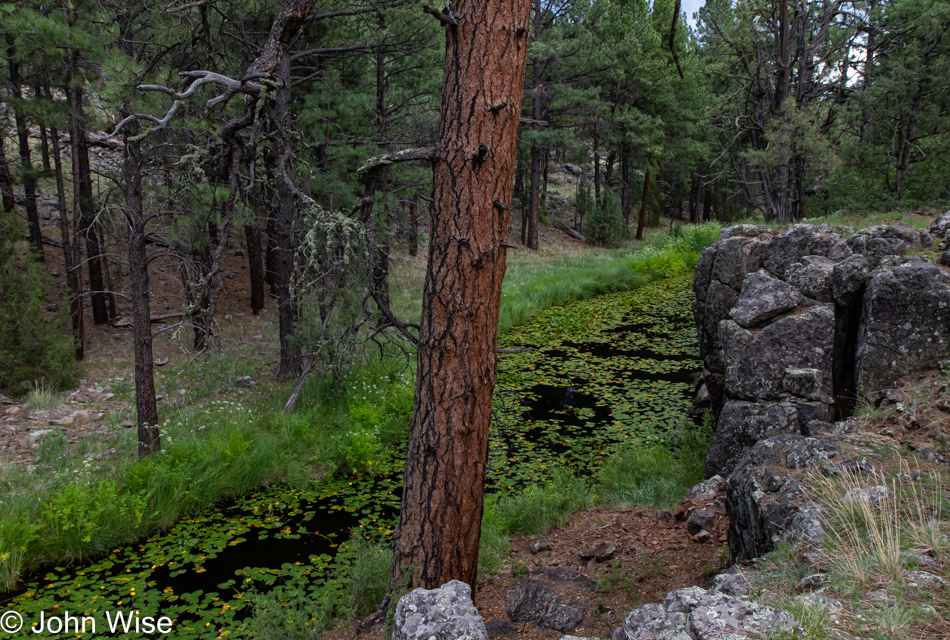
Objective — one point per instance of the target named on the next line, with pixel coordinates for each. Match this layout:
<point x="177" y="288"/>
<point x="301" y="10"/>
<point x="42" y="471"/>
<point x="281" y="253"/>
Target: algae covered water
<point x="601" y="375"/>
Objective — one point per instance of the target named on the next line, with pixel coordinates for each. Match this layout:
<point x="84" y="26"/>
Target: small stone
<point x="871" y="495"/>
<point x="945" y="258"/>
<point x="811" y="582"/>
<point x="606" y="554"/>
<point x="914" y="560"/>
<point x="52" y="306"/>
<point x="245" y="381"/>
<point x="563" y="618"/>
<point x="880" y="595"/>
<point x="446" y="613"/>
<point x="68" y="420"/>
<point x="500" y="628"/>
<point x="923" y="580"/>
<point x="850" y="467"/>
<point x="702" y="519"/>
<point x="543" y="544"/>
<point x="597" y="547"/>
<point x="238" y="253"/>
<point x="161" y="362"/>
<point x="663" y="515"/>
<point x="702" y="536"/>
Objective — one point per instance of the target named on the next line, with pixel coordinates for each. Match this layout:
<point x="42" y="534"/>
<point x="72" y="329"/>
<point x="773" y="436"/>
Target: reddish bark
<point x="438" y="533"/>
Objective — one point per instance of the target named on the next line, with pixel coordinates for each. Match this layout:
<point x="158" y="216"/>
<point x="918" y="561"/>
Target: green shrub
<point x="605" y="225"/>
<point x="33" y="344"/>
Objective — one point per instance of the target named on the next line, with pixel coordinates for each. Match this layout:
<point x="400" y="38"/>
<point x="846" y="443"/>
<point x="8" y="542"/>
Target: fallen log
<point x="568" y="230"/>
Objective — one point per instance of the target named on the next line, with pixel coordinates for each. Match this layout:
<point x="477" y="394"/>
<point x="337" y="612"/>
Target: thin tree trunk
<point x="146" y="406"/>
<point x="289" y="366"/>
<point x="447" y="455"/>
<point x="6" y="178"/>
<point x="694" y="198"/>
<point x="414" y="226"/>
<point x="252" y="235"/>
<point x="531" y="237"/>
<point x="643" y="205"/>
<point x="26" y="165"/>
<point x="44" y="140"/>
<point x="83" y="198"/>
<point x="270" y="260"/>
<point x="596" y="160"/>
<point x="707" y="203"/>
<point x="625" y="198"/>
<point x="73" y="277"/>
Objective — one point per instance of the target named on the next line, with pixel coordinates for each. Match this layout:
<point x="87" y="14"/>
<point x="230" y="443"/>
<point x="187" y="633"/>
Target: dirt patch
<point x="652" y="553"/>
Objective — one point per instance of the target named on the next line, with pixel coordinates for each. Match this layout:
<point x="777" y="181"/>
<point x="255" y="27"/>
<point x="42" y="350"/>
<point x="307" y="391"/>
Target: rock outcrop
<point x="698" y="614"/>
<point x="793" y="326"/>
<point x="446" y="613"/>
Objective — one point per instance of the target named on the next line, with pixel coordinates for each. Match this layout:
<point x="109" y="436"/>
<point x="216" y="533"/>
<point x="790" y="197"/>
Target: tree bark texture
<point x="26" y="164"/>
<point x="447" y="455"/>
<point x="83" y="200"/>
<point x="146" y="407"/>
<point x="641" y="220"/>
<point x="255" y="259"/>
<point x="289" y="366"/>
<point x="72" y="274"/>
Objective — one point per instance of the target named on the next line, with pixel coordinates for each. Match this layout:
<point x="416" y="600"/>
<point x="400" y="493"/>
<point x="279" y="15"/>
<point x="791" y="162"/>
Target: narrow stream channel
<point x="601" y="375"/>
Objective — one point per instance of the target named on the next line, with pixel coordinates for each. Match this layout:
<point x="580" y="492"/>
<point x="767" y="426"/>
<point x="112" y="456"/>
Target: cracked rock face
<point x="697" y="614"/>
<point x="765" y="505"/>
<point x="905" y="322"/>
<point x="801" y="323"/>
<point x="446" y="613"/>
<point x="763" y="297"/>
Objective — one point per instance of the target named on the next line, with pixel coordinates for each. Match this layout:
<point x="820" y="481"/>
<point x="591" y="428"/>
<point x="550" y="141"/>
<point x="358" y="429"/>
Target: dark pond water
<point x="601" y="375"/>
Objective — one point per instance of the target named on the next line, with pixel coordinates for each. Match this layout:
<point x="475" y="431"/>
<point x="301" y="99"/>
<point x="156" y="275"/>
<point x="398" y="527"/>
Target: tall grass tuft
<point x="42" y="397"/>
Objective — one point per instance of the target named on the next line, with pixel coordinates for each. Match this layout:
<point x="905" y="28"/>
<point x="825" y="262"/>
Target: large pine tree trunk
<point x="447" y="456"/>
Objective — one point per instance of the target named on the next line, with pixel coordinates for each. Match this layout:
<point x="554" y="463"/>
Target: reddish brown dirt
<point x="654" y="555"/>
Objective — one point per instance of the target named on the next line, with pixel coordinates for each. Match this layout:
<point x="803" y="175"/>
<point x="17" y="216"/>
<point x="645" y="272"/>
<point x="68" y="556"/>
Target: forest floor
<point x="654" y="554"/>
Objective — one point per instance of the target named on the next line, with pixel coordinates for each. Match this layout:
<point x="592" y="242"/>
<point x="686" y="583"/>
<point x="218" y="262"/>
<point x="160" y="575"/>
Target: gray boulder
<point x="563" y="617"/>
<point x="446" y="613"/>
<point x="812" y="276"/>
<point x="848" y="278"/>
<point x="530" y="600"/>
<point x="696" y="614"/>
<point x="756" y="363"/>
<point x="905" y="323"/>
<point x="941" y="226"/>
<point x="741" y="425"/>
<point x="763" y="297"/>
<point x="736" y="257"/>
<point x="795" y="243"/>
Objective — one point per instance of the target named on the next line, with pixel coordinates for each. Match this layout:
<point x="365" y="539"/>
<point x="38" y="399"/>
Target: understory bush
<point x="34" y="345"/>
<point x="605" y="224"/>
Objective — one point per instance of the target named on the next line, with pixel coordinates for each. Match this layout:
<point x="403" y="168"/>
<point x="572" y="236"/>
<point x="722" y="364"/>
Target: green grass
<point x="74" y="508"/>
<point x="42" y="397"/>
<point x="533" y="285"/>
